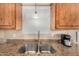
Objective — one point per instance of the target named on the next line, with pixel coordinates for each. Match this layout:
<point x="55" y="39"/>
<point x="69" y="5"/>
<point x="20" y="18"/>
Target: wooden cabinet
<point x="10" y="16"/>
<point x="66" y="16"/>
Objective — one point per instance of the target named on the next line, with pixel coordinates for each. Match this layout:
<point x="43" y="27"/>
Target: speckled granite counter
<point x="11" y="47"/>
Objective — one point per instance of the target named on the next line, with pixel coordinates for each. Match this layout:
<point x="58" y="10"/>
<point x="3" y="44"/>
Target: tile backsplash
<point x="13" y="34"/>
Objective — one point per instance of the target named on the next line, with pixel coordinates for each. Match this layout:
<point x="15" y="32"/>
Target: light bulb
<point x="35" y="16"/>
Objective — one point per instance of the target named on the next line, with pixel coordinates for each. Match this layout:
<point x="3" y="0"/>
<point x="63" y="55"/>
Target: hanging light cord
<point x="35" y="8"/>
<point x="35" y="11"/>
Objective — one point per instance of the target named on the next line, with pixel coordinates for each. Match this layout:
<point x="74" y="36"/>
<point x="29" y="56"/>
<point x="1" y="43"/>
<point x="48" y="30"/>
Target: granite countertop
<point x="11" y="47"/>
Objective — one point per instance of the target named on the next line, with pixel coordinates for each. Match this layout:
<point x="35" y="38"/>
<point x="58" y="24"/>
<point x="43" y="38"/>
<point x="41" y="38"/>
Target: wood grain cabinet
<point x="66" y="16"/>
<point x="10" y="16"/>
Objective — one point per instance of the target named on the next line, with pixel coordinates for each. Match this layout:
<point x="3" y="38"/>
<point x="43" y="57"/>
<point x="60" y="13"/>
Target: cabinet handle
<point x="1" y="20"/>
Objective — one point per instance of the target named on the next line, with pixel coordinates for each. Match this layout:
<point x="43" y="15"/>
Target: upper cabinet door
<point x="66" y="16"/>
<point x="8" y="16"/>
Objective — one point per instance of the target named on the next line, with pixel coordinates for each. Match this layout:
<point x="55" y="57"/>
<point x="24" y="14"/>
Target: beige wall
<point x="55" y="34"/>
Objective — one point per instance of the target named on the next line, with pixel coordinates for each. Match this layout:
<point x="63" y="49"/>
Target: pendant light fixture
<point x="35" y="16"/>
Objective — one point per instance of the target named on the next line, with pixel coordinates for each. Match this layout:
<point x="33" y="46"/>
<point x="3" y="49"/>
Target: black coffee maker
<point x="66" y="40"/>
